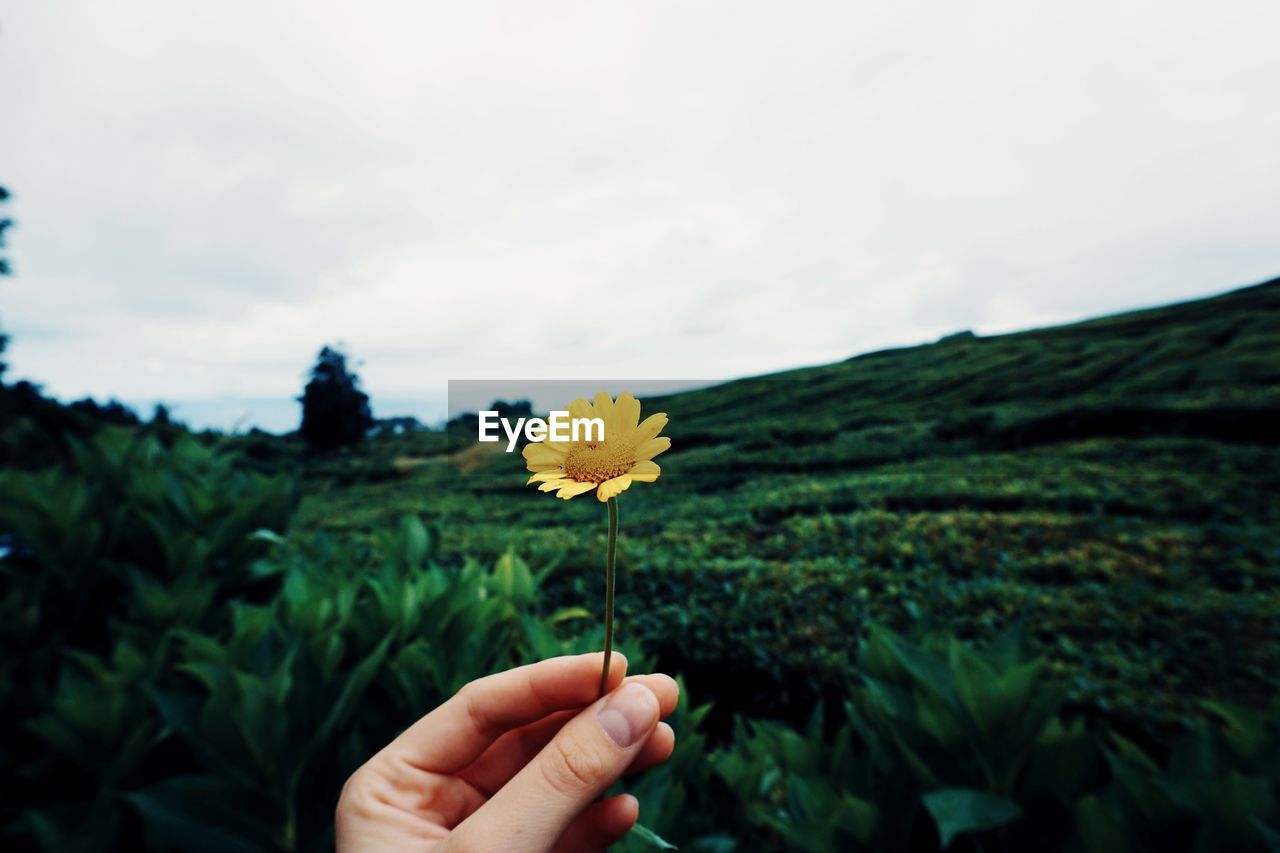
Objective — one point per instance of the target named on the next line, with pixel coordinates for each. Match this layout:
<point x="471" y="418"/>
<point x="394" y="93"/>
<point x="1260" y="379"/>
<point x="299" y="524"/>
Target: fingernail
<point x="629" y="714"/>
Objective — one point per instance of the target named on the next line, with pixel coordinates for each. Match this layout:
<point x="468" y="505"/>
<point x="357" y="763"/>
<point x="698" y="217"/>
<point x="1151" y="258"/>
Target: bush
<point x="180" y="673"/>
<point x="944" y="745"/>
<point x="181" y="676"/>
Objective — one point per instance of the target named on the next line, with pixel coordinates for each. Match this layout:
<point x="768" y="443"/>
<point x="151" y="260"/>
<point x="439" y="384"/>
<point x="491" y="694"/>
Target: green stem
<point x="610" y="566"/>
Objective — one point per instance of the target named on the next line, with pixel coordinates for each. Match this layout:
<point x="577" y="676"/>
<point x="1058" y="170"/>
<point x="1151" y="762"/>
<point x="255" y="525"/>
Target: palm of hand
<point x="513" y="762"/>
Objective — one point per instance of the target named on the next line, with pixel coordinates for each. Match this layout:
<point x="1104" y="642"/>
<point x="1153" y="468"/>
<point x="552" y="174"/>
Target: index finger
<point x="458" y="731"/>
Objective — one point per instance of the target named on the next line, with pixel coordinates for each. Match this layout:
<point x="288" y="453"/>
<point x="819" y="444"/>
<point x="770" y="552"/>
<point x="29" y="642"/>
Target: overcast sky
<point x="208" y="192"/>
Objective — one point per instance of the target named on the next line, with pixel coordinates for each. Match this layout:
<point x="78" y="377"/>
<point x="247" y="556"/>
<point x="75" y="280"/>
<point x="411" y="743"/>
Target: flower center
<point x="595" y="463"/>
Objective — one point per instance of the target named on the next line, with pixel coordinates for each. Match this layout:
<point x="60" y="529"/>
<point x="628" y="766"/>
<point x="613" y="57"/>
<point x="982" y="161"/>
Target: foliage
<point x="191" y="678"/>
<point x="1219" y="789"/>
<point x="186" y="662"/>
<point x="945" y="745"/>
<point x="1108" y="485"/>
<point x="187" y="677"/>
<point x="36" y="431"/>
<point x="335" y="412"/>
<point x="1110" y="482"/>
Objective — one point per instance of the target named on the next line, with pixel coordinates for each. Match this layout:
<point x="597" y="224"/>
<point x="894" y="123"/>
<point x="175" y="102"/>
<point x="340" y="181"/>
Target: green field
<point x="1112" y="484"/>
<point x="1006" y="593"/>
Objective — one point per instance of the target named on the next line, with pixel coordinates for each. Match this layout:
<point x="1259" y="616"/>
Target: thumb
<point x="587" y="755"/>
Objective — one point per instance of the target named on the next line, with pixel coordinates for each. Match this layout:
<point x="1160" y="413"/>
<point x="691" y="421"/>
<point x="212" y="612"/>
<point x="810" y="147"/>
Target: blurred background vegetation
<point x="1004" y="593"/>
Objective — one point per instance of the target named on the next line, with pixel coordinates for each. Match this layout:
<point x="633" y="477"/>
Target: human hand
<point x="514" y="762"/>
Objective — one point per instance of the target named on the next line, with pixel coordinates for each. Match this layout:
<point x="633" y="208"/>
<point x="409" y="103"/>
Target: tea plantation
<point x="1007" y="593"/>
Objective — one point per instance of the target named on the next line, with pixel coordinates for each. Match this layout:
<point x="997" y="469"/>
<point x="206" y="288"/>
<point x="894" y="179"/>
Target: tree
<point x="112" y="412"/>
<point x="335" y="412"/>
<point x="5" y="269"/>
<point x="5" y="225"/>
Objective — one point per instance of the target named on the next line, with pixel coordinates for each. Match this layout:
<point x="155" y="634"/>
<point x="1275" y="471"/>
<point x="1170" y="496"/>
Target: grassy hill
<point x="836" y="559"/>
<point x="1110" y="483"/>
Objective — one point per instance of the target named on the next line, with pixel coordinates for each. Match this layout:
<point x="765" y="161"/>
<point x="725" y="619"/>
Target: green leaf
<point x="977" y="686"/>
<point x="1245" y="730"/>
<point x="858" y="816"/>
<point x="646" y="834"/>
<point x="263" y="534"/>
<point x="564" y="614"/>
<point x="960" y="810"/>
<point x="928" y="670"/>
<point x="1099" y="829"/>
<point x="1270" y="837"/>
<point x="513" y="578"/>
<point x="199" y="813"/>
<point x="415" y="541"/>
<point x="938" y="718"/>
<point x="357" y="682"/>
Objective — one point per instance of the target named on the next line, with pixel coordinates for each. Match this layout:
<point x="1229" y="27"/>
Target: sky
<point x="205" y="194"/>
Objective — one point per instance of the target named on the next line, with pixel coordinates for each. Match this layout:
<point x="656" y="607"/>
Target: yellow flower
<point x="609" y="467"/>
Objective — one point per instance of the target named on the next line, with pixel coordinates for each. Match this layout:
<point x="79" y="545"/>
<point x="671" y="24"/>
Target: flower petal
<point x="644" y="472"/>
<point x="580" y="408"/>
<point x="650" y="427"/>
<point x="626" y="414"/>
<point x="652" y="448"/>
<point x="572" y="489"/>
<point x="613" y="488"/>
<point x="549" y="474"/>
<point x="604" y="408"/>
<point x="539" y="454"/>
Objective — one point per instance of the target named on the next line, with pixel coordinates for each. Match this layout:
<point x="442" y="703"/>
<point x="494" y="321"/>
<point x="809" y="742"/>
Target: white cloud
<point x="207" y="193"/>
